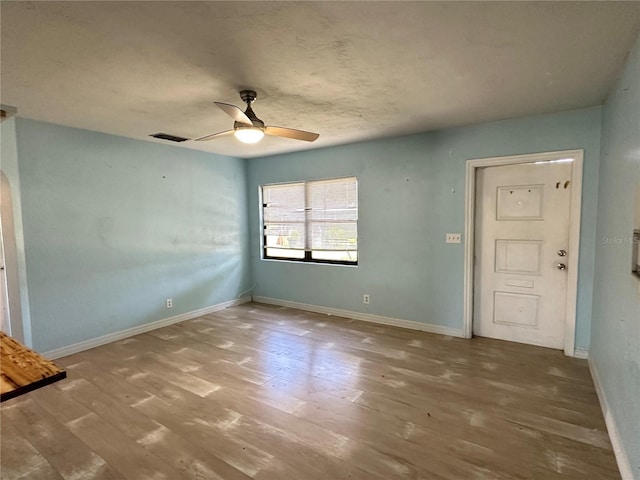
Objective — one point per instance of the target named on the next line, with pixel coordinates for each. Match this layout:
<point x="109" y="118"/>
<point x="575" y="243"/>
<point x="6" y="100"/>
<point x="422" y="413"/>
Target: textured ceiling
<point x="348" y="70"/>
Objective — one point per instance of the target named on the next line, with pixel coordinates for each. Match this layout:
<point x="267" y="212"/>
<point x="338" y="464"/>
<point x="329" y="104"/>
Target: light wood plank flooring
<point x="270" y="393"/>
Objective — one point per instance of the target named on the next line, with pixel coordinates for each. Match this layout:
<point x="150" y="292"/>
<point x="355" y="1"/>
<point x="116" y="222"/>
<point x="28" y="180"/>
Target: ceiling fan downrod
<point x="249" y="96"/>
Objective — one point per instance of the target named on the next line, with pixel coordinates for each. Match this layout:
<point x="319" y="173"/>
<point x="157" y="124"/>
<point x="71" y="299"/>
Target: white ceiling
<point x="350" y="71"/>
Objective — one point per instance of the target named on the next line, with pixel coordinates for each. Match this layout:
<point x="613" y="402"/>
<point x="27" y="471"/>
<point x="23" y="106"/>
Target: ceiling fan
<point x="248" y="128"/>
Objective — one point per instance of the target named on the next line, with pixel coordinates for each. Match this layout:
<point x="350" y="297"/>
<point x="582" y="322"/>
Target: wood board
<point x="23" y="370"/>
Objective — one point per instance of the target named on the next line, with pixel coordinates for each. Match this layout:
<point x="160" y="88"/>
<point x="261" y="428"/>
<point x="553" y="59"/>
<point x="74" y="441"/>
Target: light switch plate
<point x="453" y="238"/>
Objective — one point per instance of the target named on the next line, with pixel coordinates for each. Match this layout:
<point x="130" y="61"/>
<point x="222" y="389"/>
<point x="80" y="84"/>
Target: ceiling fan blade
<point x="214" y="135"/>
<point x="291" y="133"/>
<point x="234" y="112"/>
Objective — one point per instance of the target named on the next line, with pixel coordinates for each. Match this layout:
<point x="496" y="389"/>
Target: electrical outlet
<point x="169" y="303"/>
<point x="453" y="238"/>
<point x="366" y="299"/>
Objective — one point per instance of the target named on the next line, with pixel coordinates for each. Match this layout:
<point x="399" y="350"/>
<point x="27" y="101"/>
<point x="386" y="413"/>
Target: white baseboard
<point x="614" y="434"/>
<point x="579" y="352"/>
<point x="366" y="317"/>
<point x="129" y="332"/>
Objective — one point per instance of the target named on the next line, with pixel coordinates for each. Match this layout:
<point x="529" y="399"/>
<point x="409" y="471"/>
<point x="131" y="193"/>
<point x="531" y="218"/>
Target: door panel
<point x="522" y="221"/>
<point x="518" y="256"/>
<point x="515" y="309"/>
<point x="5" y="324"/>
<point x="520" y="202"/>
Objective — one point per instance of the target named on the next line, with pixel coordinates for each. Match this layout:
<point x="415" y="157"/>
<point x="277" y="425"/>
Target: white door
<point x="5" y="324"/>
<point x="522" y="238"/>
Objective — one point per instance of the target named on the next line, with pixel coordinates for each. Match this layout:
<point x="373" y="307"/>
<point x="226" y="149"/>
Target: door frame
<point x="574" y="233"/>
<point x="14" y="299"/>
<point x="4" y="291"/>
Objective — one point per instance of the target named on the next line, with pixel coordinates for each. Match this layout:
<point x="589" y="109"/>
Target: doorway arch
<point x="14" y="305"/>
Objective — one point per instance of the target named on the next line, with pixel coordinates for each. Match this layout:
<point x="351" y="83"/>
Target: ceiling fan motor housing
<point x="248" y="96"/>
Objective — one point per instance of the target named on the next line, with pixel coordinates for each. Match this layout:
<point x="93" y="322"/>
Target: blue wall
<point x="411" y="192"/>
<point x="615" y="339"/>
<point x="113" y="227"/>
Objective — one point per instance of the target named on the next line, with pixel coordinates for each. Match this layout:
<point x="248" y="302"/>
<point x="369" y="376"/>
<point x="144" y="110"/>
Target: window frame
<point x="307" y="253"/>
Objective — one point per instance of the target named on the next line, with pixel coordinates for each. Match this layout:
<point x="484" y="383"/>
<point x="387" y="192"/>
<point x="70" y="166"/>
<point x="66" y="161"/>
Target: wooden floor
<point x="265" y="392"/>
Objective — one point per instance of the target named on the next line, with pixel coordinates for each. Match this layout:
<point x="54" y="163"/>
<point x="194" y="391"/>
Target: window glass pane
<point x="284" y="203"/>
<point x="335" y="256"/>
<point x="284" y="220"/>
<point x="333" y="199"/>
<point x="283" y="253"/>
<point x="285" y="235"/>
<point x="334" y="236"/>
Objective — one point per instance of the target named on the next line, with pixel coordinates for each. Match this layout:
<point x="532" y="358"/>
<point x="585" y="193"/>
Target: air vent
<point x="7" y="111"/>
<point x="166" y="136"/>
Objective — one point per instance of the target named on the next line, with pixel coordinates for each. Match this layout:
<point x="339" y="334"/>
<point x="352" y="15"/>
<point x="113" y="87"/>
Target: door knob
<point x="562" y="253"/>
<point x="561" y="266"/>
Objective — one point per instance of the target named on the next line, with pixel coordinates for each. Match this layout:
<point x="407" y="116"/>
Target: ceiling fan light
<point x="249" y="134"/>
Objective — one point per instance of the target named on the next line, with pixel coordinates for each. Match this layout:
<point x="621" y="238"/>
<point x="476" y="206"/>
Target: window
<point x="315" y="221"/>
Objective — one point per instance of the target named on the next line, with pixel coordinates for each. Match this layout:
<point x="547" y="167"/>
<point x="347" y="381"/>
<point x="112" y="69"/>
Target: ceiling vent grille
<point x="171" y="138"/>
<point x="7" y="111"/>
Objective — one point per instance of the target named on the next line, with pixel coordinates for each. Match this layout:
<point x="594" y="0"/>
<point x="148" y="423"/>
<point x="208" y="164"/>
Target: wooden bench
<point x="23" y="370"/>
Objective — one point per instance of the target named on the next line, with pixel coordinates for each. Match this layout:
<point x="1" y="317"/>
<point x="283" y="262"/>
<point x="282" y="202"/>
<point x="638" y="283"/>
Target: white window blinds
<point x="312" y="221"/>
